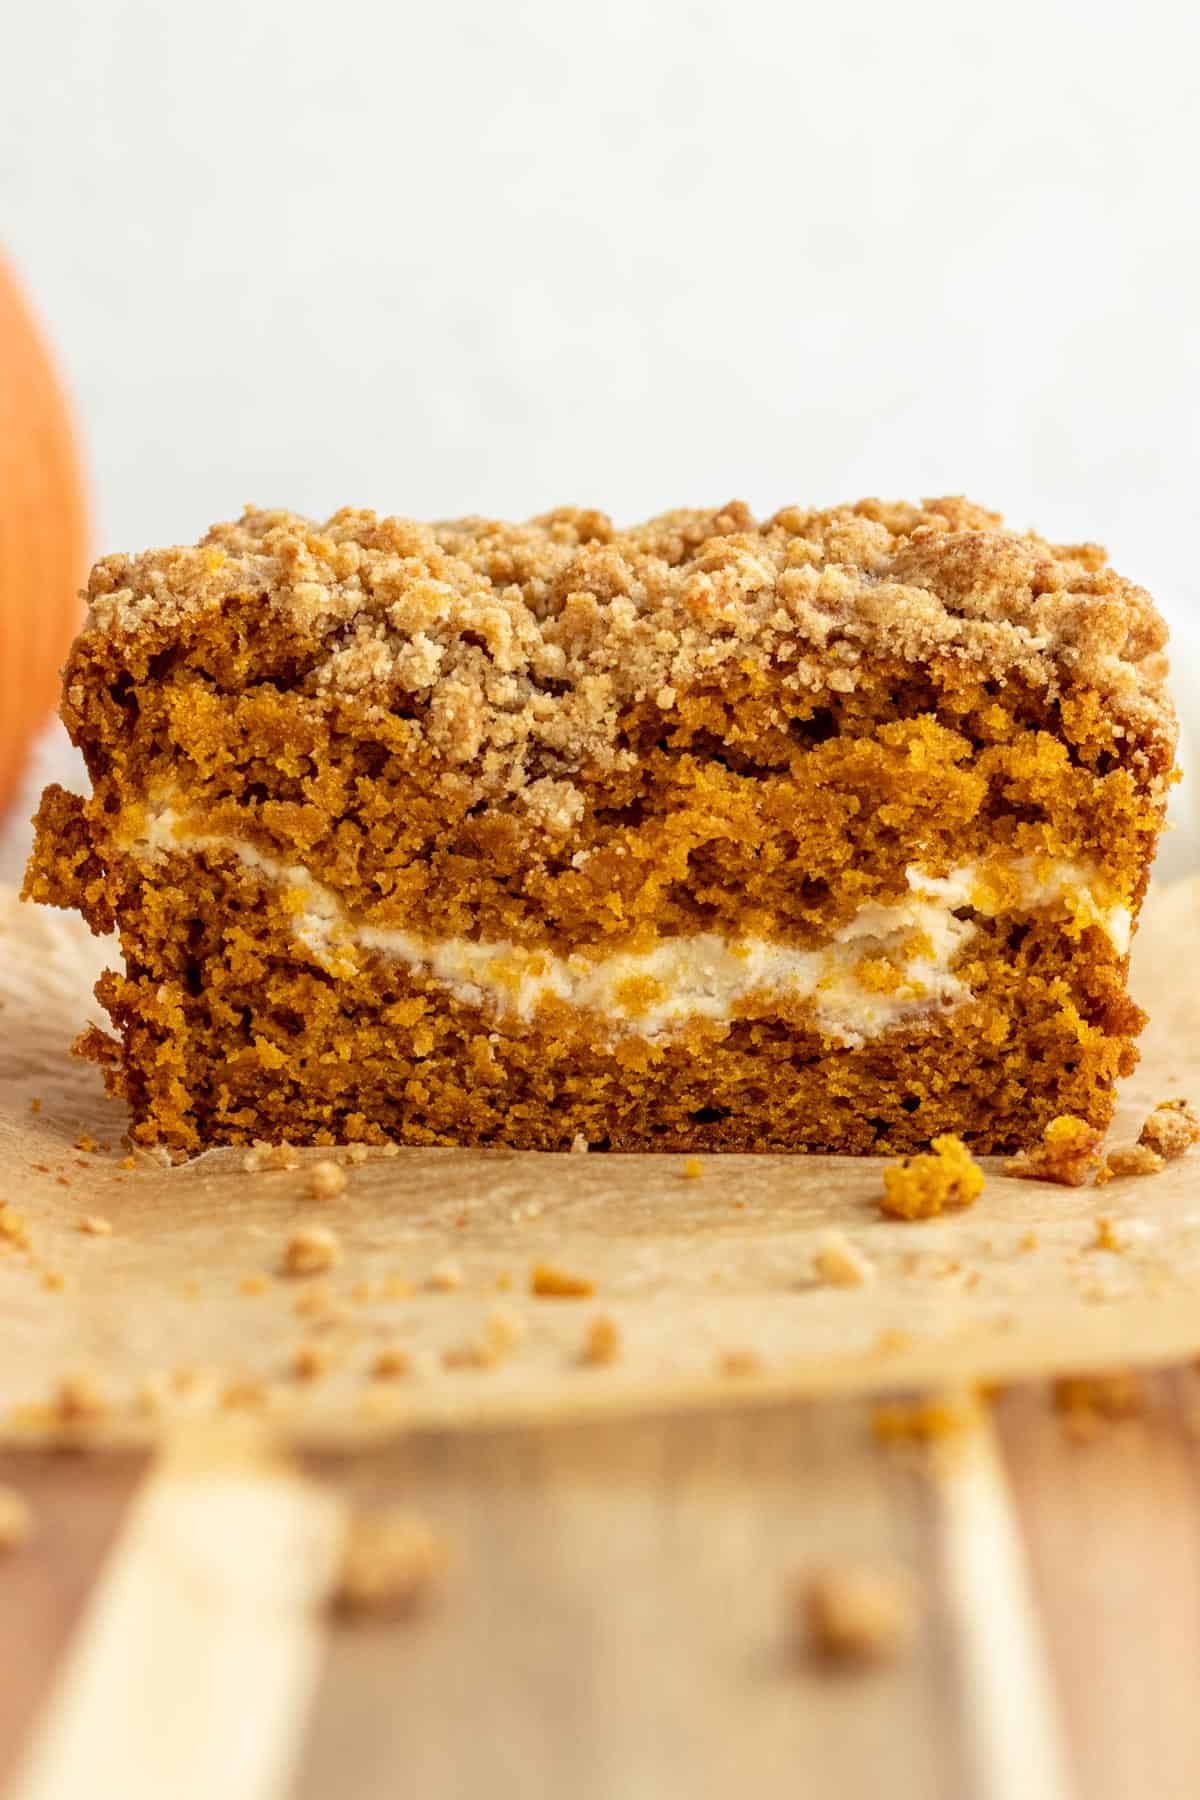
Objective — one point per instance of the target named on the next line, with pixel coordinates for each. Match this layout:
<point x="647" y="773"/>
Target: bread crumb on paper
<point x="447" y="1276"/>
<point x="310" y="1249"/>
<point x="246" y="1393"/>
<point x="1067" y="1154"/>
<point x="839" y="1263"/>
<point x="1134" y="1159"/>
<point x="81" y="1396"/>
<point x="309" y="1362"/>
<point x="326" y="1179"/>
<point x="1108" y="1237"/>
<point x="262" y="1155"/>
<point x="601" y="1343"/>
<point x="550" y="1282"/>
<point x="503" y="1329"/>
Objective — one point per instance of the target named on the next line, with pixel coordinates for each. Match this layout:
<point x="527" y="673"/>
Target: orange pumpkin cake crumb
<point x="925" y="1186"/>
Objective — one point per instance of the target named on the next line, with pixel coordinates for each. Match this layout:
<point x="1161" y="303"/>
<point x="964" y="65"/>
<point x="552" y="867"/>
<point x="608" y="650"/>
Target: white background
<point x="469" y="257"/>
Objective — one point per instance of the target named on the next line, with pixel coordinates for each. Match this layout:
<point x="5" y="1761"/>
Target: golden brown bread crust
<point x="563" y="734"/>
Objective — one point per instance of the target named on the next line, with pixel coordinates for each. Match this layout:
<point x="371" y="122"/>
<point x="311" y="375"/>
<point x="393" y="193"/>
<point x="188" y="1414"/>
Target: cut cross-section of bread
<point x="826" y="833"/>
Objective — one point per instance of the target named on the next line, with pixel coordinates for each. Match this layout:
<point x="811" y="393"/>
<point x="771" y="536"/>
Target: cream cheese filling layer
<point x="889" y="963"/>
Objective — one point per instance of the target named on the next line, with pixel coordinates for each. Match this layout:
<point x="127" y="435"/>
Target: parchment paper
<point x="688" y="1270"/>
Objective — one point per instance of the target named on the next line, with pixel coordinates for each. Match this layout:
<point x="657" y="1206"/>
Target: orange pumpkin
<point x="43" y="533"/>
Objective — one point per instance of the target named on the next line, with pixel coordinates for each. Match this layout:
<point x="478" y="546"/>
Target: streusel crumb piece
<point x="391" y="1563"/>
<point x="326" y="1180"/>
<point x="1068" y="1154"/>
<point x="502" y="1331"/>
<point x="447" y="1276"/>
<point x="81" y="1396"/>
<point x="859" y="1612"/>
<point x="309" y="1362"/>
<point x="602" y="1344"/>
<point x="262" y="1155"/>
<point x="840" y="1263"/>
<point x="311" y="1249"/>
<point x="1109" y="1237"/>
<point x="552" y="1283"/>
<point x="1090" y="1402"/>
<point x="928" y="1421"/>
<point x="1134" y="1159"/>
<point x="1171" y="1130"/>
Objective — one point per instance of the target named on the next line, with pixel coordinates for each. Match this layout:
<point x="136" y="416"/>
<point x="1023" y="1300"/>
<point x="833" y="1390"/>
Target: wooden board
<point x="616" y="1618"/>
<point x="689" y="1270"/>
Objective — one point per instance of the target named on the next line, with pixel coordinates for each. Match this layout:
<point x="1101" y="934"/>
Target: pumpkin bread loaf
<point x="828" y="833"/>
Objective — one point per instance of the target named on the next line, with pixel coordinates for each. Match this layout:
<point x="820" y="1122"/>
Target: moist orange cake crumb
<point x="924" y="1186"/>
<point x="826" y="832"/>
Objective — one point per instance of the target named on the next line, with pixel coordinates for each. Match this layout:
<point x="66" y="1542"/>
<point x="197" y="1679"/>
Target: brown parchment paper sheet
<point x="687" y="1269"/>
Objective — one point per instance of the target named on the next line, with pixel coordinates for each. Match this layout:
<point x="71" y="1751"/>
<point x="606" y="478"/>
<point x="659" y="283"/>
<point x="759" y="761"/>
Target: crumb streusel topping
<point x="511" y="646"/>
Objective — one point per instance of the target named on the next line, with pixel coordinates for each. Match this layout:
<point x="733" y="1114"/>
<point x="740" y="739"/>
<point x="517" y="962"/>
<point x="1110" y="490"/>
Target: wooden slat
<point x="191" y="1674"/>
<point x="78" y="1504"/>
<point x="1113" y="1530"/>
<point x="1007" y="1699"/>
<point x="617" y="1623"/>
